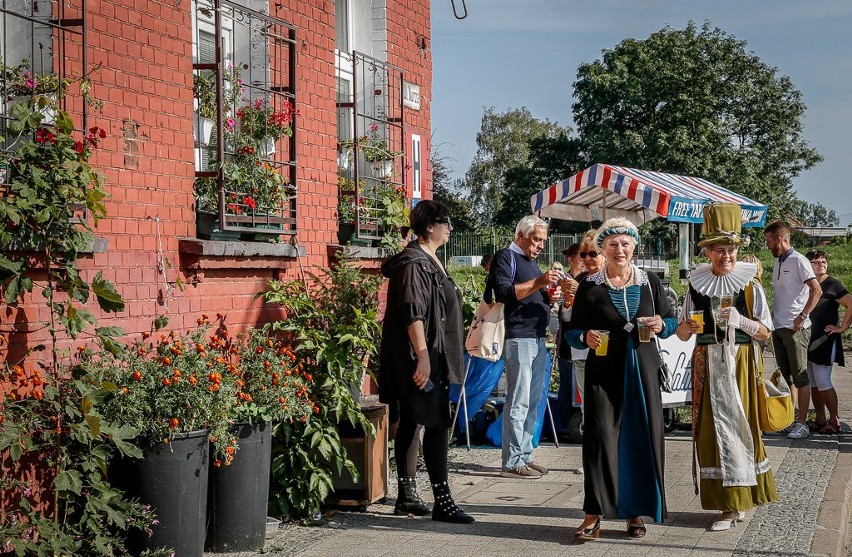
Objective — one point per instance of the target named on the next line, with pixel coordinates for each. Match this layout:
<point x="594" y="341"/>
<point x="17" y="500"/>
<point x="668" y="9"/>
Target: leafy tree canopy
<point x="695" y="102"/>
<point x="502" y="143"/>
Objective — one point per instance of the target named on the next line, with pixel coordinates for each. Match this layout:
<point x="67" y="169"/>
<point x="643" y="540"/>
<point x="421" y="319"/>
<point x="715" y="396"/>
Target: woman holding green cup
<point x="623" y="432"/>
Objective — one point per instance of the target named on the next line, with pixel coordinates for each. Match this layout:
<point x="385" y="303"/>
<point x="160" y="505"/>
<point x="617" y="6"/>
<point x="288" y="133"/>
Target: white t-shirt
<point x="790" y="293"/>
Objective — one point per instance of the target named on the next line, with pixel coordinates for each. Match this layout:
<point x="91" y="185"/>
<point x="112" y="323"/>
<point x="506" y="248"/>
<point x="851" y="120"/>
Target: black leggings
<point x="436" y="445"/>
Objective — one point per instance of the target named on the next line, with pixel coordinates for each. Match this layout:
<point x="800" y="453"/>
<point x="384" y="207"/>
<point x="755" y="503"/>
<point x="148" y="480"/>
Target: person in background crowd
<point x="575" y="262"/>
<point x="758" y="266"/>
<point x="523" y="288"/>
<point x="796" y="292"/>
<point x="565" y="395"/>
<point x="422" y="345"/>
<point x="567" y="366"/>
<point x="826" y="346"/>
<point x="623" y="443"/>
<point x="485" y="263"/>
<point x="734" y="474"/>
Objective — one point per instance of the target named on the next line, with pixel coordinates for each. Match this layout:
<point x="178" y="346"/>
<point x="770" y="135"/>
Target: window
<point x="244" y="124"/>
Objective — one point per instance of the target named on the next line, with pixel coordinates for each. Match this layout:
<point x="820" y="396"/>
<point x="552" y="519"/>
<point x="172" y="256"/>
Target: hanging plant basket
<point x="202" y="129"/>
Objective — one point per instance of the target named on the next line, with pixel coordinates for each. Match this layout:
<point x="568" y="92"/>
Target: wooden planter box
<point x="370" y="455"/>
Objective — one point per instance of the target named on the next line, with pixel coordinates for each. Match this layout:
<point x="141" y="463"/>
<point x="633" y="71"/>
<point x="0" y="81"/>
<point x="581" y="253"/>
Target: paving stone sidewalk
<point x="537" y="518"/>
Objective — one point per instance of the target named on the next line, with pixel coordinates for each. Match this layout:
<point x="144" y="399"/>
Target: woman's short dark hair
<point x="816" y="254"/>
<point x="425" y="214"/>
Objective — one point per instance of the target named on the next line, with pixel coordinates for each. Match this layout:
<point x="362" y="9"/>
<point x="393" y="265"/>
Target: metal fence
<point x="475" y="244"/>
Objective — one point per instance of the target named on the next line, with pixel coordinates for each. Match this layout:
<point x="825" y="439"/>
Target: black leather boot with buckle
<point x="445" y="509"/>
<point x="408" y="501"/>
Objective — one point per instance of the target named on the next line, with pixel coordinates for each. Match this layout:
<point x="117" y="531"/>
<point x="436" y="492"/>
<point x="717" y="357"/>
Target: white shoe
<point x="726" y="523"/>
<point x="798" y="431"/>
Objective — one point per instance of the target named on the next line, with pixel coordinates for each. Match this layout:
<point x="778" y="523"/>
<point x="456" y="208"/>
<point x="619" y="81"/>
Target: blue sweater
<point x="526" y="318"/>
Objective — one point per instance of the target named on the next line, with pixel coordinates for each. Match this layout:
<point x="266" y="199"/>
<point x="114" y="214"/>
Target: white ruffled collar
<point x="705" y="282"/>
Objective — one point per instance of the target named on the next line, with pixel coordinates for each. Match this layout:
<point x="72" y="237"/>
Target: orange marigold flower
<point x="18" y="370"/>
<point x="282" y="400"/>
<point x="269" y="343"/>
<point x="173" y="423"/>
<point x="309" y="377"/>
<point x="81" y="349"/>
<point x="146" y="335"/>
<point x="125" y="390"/>
<point x="136" y="375"/>
<point x="192" y="380"/>
<point x="213" y="388"/>
<point x="230" y="450"/>
<point x="176" y="372"/>
<point x="166" y="360"/>
<point x="217" y="463"/>
<point x="166" y="382"/>
<point x="38" y="395"/>
<point x="259" y="349"/>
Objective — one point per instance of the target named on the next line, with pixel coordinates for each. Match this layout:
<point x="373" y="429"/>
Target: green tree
<point x="502" y="143"/>
<point x="696" y="102"/>
<point x="550" y="159"/>
<point x="815" y="214"/>
<point x="450" y="192"/>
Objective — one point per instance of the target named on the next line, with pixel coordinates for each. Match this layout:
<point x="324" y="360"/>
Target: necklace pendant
<point x="628" y="326"/>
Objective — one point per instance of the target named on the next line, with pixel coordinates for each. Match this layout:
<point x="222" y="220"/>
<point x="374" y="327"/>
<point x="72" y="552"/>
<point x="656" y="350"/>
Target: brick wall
<point x="145" y="82"/>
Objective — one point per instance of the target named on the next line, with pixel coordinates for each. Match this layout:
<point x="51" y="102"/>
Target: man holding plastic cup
<point x="523" y="288"/>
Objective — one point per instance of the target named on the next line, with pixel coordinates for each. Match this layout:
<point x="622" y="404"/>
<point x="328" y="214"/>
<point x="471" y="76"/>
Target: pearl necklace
<point x="627" y="282"/>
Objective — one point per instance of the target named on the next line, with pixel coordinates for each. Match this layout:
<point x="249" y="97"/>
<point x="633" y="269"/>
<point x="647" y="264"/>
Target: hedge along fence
<point x="466" y="244"/>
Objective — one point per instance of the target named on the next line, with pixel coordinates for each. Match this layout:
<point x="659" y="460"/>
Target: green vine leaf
<point x="108" y="297"/>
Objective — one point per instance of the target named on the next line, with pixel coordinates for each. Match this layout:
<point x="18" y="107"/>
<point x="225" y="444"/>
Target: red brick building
<point x="348" y="68"/>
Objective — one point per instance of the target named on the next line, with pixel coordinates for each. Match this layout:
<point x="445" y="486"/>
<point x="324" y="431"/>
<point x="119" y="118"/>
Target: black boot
<point x="408" y="501"/>
<point x="445" y="509"/>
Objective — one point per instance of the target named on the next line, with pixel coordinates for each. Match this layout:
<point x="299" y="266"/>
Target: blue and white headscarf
<point x="617" y="225"/>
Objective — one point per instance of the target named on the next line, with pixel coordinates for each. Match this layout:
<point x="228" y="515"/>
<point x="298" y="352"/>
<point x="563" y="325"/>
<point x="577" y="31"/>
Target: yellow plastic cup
<point x="602" y="347"/>
<point x="698" y="316"/>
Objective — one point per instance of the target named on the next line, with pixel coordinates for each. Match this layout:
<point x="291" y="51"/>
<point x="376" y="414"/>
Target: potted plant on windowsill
<point x="262" y="125"/>
<point x="21" y="83"/>
<point x="377" y="151"/>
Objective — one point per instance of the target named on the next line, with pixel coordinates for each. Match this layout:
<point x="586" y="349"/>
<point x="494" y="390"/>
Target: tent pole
<point x="684" y="248"/>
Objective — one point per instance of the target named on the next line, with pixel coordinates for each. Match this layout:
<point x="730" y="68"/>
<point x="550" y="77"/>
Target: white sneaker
<point x="798" y="431"/>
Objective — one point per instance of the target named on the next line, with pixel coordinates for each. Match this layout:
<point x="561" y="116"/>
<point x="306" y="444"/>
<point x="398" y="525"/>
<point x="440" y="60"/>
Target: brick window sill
<point x="211" y="254"/>
<point x="94" y="245"/>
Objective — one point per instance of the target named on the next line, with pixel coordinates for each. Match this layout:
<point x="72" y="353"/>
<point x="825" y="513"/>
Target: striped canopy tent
<point x="603" y="191"/>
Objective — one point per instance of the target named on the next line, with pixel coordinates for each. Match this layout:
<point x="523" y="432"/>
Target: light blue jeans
<point x="525" y="360"/>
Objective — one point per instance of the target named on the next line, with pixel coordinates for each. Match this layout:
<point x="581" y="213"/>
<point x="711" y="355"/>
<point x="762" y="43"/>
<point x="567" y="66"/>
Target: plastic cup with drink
<point x="699" y="317"/>
<point x="644" y="327"/>
<point x="604" y="342"/>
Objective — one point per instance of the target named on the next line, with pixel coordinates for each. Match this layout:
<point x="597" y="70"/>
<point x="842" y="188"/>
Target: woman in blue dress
<point x="623" y="433"/>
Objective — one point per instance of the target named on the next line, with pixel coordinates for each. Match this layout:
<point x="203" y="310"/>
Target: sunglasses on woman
<point x="584" y="254"/>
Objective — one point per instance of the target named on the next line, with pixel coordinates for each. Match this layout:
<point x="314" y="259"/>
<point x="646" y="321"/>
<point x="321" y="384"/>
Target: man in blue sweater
<point x="522" y="287"/>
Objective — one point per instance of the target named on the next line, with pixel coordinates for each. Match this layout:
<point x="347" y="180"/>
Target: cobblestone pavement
<point x="538" y="517"/>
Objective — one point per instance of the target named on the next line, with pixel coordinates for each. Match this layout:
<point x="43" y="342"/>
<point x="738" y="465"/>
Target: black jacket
<point x="416" y="293"/>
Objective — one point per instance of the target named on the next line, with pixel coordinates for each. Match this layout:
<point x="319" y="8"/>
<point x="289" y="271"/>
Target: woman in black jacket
<point x="421" y="355"/>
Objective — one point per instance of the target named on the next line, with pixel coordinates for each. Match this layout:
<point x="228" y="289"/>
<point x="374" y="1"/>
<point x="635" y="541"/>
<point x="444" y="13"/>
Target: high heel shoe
<point x="590" y="533"/>
<point x="637" y="530"/>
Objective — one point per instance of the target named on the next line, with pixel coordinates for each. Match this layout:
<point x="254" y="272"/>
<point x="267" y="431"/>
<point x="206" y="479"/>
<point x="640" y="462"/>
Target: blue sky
<point x="513" y="53"/>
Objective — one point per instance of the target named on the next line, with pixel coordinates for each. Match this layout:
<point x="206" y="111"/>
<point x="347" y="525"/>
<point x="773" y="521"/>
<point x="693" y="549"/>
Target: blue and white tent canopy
<point x="604" y="191"/>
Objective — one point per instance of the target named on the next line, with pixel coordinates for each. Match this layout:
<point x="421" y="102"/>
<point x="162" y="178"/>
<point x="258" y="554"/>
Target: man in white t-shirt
<point x="796" y="292"/>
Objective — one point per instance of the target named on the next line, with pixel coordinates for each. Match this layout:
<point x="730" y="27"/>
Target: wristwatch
<point x="804" y="315"/>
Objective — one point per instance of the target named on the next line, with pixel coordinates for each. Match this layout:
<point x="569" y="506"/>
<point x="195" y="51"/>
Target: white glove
<point x="744" y="324"/>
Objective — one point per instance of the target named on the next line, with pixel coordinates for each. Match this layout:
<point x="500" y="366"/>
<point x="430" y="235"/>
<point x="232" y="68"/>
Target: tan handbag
<point x="774" y="403"/>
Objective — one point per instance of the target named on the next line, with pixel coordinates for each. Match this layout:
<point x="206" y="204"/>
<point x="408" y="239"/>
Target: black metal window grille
<point x="370" y="128"/>
<point x="244" y="76"/>
<point x="42" y="47"/>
